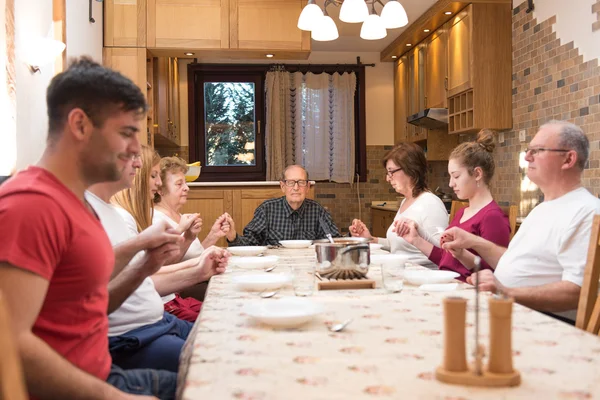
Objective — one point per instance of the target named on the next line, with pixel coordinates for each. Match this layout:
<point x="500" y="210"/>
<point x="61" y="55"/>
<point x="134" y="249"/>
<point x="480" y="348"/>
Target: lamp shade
<point x="310" y="16"/>
<point x="354" y="11"/>
<point x="42" y="51"/>
<point x="393" y="15"/>
<point x="372" y="28"/>
<point x="325" y="30"/>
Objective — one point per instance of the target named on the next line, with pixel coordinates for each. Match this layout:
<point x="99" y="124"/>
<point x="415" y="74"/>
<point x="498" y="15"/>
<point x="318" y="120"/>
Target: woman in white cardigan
<point x="406" y="171"/>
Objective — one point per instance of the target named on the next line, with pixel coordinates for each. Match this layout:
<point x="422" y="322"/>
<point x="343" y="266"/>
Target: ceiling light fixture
<point x="448" y="13"/>
<point x="408" y="44"/>
<point x="323" y="28"/>
<point x="394" y="57"/>
<point x="425" y="30"/>
<point x="189" y="53"/>
<point x="269" y="55"/>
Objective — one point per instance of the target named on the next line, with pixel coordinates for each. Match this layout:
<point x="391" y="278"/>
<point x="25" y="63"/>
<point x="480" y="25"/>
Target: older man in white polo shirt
<point x="544" y="264"/>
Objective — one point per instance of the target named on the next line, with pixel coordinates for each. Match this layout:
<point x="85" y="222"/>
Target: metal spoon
<point x="330" y="238"/>
<point x="266" y="295"/>
<point x="271" y="268"/>
<point x="340" y="327"/>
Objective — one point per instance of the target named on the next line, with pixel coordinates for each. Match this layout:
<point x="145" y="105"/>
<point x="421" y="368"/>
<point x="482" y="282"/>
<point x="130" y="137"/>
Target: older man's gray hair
<point x="293" y="166"/>
<point x="572" y="137"/>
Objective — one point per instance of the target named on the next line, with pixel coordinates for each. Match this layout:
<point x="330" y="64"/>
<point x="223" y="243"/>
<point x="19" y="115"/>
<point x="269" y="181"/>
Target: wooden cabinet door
<point x="125" y="23"/>
<point x="267" y="25"/>
<point x="435" y="86"/>
<point x="131" y="62"/>
<point x="188" y="24"/>
<point x="400" y="101"/>
<point x="459" y="51"/>
<point x="210" y="204"/>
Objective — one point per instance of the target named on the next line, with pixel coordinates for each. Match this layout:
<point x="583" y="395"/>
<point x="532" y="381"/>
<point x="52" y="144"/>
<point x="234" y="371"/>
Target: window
<point x="227" y="120"/>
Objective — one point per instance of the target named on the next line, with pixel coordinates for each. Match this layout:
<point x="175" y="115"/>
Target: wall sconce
<point x="41" y="51"/>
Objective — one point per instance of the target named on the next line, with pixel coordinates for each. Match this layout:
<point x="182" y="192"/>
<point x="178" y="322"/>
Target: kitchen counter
<point x="385" y="205"/>
<point x="254" y="183"/>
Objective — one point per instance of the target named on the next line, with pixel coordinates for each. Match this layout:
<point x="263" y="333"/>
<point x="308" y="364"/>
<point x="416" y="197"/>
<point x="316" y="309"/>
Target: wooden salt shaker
<point x="455" y="353"/>
<point x="500" y="361"/>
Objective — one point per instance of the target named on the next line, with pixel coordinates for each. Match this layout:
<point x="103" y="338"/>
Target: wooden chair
<point x="510" y="211"/>
<point x="12" y="381"/>
<point x="588" y="310"/>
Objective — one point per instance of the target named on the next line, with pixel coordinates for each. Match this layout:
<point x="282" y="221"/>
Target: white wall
<point x="379" y="94"/>
<point x="32" y="18"/>
<point x="84" y="37"/>
<point x="574" y="21"/>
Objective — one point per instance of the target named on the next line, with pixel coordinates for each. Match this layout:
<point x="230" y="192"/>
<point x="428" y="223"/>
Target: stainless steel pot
<point x="346" y="258"/>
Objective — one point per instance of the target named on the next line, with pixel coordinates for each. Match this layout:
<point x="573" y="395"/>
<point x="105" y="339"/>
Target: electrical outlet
<point x="501" y="137"/>
<point x="522" y="135"/>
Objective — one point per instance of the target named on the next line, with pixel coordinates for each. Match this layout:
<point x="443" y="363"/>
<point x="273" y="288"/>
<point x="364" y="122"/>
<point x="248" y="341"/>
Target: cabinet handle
<point x="258" y="127"/>
<point x="446" y="83"/>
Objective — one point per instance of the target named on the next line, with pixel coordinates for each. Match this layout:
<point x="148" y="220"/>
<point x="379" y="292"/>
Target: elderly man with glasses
<point x="290" y="217"/>
<point x="544" y="264"/>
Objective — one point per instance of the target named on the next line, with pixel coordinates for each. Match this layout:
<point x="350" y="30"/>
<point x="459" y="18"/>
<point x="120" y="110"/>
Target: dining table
<point x="390" y="350"/>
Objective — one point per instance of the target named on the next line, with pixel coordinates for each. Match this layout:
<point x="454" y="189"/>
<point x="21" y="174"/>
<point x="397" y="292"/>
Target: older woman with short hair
<point x="168" y="201"/>
<point x="406" y="171"/>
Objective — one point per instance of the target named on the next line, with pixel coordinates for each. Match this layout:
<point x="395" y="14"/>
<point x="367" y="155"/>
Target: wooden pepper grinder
<point x="455" y="353"/>
<point x="500" y="361"/>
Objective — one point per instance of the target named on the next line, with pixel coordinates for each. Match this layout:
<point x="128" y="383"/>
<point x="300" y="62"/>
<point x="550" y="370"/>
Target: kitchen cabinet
<point x="436" y="70"/>
<point x="245" y="25"/>
<point x="479" y="68"/>
<point x="125" y="23"/>
<point x="400" y="101"/>
<point x="188" y="24"/>
<point x="166" y="102"/>
<point x="131" y="62"/>
<point x="459" y="52"/>
<point x="267" y="25"/>
<point x="381" y="221"/>
<point x="239" y="201"/>
<point x="416" y="90"/>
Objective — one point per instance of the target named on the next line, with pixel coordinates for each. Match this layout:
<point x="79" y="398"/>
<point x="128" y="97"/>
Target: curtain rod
<point x="358" y="64"/>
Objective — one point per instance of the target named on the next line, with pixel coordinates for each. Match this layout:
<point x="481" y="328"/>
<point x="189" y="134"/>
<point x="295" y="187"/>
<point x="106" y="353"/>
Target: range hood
<point x="430" y="118"/>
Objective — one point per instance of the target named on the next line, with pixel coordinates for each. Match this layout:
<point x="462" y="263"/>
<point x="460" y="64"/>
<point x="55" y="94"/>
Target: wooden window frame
<point x="229" y="174"/>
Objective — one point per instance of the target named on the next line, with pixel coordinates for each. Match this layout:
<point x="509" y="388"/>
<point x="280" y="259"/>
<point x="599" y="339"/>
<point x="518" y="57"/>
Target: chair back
<point x="12" y="381"/>
<point x="588" y="310"/>
<point x="510" y="211"/>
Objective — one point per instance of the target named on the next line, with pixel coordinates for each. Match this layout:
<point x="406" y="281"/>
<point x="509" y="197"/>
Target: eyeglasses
<point x="136" y="157"/>
<point x="391" y="173"/>
<point x="292" y="183"/>
<point x="537" y="150"/>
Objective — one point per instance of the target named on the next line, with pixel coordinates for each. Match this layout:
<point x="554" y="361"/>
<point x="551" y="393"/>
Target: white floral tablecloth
<point x="390" y="350"/>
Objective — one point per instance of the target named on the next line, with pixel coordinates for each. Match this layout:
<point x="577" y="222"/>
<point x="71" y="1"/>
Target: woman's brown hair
<point x="136" y="200"/>
<point x="477" y="154"/>
<point x="411" y="158"/>
<point x="170" y="165"/>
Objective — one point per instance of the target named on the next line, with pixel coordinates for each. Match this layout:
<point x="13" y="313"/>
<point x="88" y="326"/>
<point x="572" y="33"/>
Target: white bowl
<point x="388" y="259"/>
<point x="246" y="250"/>
<point x="283" y="313"/>
<point x="423" y="277"/>
<point x="253" y="262"/>
<point x="256" y="282"/>
<point x="295" y="244"/>
<point x="375" y="246"/>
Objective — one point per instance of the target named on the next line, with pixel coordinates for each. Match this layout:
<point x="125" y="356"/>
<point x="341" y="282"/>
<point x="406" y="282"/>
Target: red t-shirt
<point x="47" y="230"/>
<point x="489" y="223"/>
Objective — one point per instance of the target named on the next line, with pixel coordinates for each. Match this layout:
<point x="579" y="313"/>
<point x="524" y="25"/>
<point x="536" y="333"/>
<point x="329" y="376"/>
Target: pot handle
<point x="355" y="247"/>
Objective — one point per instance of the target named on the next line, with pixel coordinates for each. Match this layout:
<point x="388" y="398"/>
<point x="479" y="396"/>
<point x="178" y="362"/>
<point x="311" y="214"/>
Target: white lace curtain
<point x="310" y="121"/>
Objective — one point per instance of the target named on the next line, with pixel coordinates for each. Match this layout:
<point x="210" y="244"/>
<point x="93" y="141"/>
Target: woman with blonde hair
<point x="471" y="168"/>
<point x="135" y="205"/>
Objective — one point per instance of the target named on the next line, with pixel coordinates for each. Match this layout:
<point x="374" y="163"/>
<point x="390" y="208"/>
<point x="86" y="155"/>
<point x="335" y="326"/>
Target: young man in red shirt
<point x="55" y="258"/>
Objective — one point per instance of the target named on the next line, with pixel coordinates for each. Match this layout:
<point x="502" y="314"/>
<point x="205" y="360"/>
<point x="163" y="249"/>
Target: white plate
<point x="253" y="262"/>
<point x="388" y="259"/>
<point x="247" y="250"/>
<point x="422" y="277"/>
<point x="264" y="281"/>
<point x="375" y="246"/>
<point x="283" y="313"/>
<point x="295" y="244"/>
<point x="439" y="287"/>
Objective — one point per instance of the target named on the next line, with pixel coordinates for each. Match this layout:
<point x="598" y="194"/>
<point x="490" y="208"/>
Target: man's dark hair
<point x="97" y="90"/>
